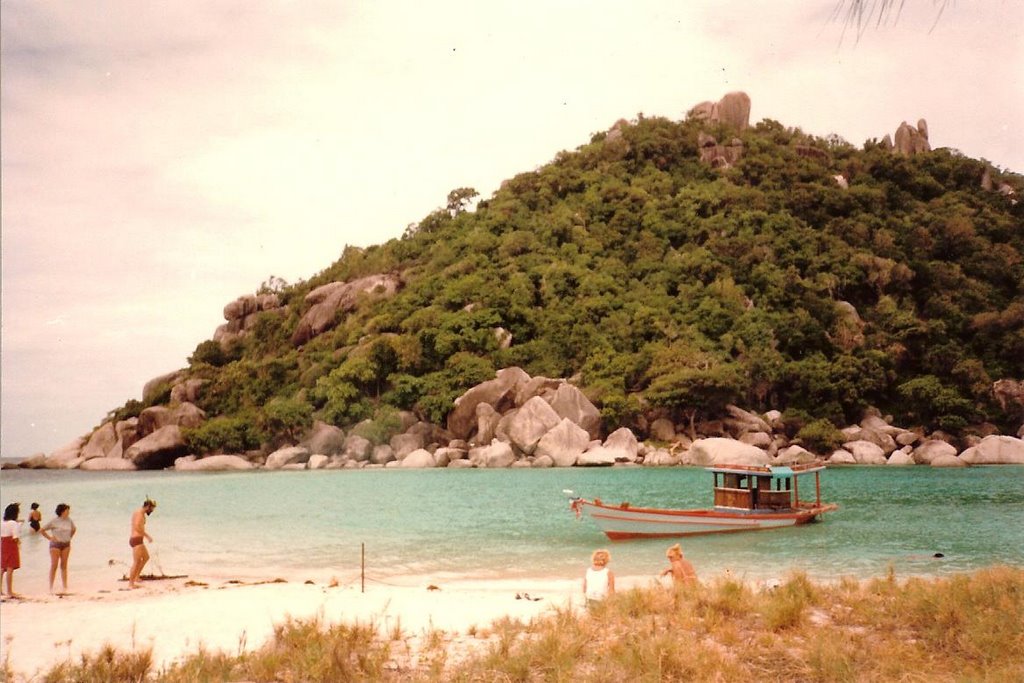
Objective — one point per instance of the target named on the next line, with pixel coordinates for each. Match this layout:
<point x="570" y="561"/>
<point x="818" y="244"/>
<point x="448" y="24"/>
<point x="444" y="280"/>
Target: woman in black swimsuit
<point x="35" y="517"/>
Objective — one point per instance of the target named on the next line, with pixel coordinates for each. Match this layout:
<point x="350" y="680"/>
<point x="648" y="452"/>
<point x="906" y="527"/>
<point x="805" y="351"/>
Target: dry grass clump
<point x="968" y="627"/>
<point x="107" y="664"/>
<point x="961" y="628"/>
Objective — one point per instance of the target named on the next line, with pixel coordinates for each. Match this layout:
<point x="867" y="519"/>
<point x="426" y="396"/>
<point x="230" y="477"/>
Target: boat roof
<point x="774" y="471"/>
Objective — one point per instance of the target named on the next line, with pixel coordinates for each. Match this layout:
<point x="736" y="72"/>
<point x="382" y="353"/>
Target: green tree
<point x="288" y="417"/>
<point x="459" y="200"/>
<point x="935" y="404"/>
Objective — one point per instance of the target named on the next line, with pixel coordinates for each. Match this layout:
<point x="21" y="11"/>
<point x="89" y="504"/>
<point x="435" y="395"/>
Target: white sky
<point x="161" y="159"/>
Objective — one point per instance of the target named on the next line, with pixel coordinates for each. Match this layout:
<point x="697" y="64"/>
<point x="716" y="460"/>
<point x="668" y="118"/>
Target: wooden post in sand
<point x="362" y="567"/>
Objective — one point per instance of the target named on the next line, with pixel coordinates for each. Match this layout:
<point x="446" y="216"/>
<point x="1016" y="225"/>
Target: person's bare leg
<point x="10" y="581"/>
<point x="139" y="558"/>
<point x="64" y="553"/>
<point x="54" y="559"/>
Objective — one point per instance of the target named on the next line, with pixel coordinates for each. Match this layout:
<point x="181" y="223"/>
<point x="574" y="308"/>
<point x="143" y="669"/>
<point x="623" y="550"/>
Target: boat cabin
<point x="763" y="488"/>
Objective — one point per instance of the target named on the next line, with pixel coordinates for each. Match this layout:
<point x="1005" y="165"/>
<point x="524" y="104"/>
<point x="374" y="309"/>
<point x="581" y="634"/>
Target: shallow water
<point x="479" y="524"/>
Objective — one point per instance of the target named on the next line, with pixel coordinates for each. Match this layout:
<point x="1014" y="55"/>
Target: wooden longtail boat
<point x="747" y="498"/>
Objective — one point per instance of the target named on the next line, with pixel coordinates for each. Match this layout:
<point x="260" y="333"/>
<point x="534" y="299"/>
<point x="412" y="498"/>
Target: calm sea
<point x="447" y="525"/>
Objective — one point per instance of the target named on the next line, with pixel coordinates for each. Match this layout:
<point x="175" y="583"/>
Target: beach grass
<point x="967" y="627"/>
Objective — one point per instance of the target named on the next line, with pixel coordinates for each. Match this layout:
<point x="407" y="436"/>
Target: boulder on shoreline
<point x="212" y="463"/>
<point x="515" y="420"/>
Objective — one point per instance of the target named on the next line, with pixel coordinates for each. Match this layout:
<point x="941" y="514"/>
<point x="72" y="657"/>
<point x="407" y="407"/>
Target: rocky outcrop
<point x="910" y="140"/>
<point x="325" y="439"/>
<point x="497" y="393"/>
<point x="67" y="453"/>
<point x="107" y="464"/>
<point x="497" y="454"/>
<point x="36" y="461"/>
<point x="865" y="452"/>
<point x="158" y="450"/>
<point x="154" y="387"/>
<point x="570" y="403"/>
<point x="929" y="450"/>
<point x="995" y="450"/>
<point x="289" y="455"/>
<point x="186" y="391"/>
<point x="732" y="110"/>
<point x="419" y="458"/>
<point x="327" y="301"/>
<point x="721" y="451"/>
<point x="563" y="444"/>
<point x="243" y="313"/>
<point x="101" y="442"/>
<point x="623" y="445"/>
<point x="212" y="463"/>
<point x="597" y="456"/>
<point x="719" y="155"/>
<point x="357" y="448"/>
<point x="528" y="424"/>
<point x="515" y="420"/>
<point x="848" y="329"/>
<point x="487" y="419"/>
<point x="382" y="455"/>
<point x="742" y="421"/>
<point x="404" y="444"/>
<point x="157" y="417"/>
<point x="793" y="455"/>
<point x="901" y="458"/>
<point x="946" y="460"/>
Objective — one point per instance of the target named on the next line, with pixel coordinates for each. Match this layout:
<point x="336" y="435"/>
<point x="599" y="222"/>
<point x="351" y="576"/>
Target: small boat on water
<point x="747" y="498"/>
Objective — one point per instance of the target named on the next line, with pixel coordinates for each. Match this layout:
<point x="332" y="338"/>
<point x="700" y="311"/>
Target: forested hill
<point x="808" y="276"/>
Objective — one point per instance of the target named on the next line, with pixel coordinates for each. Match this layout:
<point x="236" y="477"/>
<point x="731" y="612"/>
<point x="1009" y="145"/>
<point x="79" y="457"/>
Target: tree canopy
<point x="660" y="283"/>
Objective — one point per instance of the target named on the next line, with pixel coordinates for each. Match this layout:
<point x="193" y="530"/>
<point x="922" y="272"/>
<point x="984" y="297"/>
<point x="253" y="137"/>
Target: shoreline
<point x="176" y="617"/>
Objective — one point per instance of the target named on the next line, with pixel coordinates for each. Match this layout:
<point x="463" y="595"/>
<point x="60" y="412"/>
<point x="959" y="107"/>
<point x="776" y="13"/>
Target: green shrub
<point x="384" y="424"/>
<point x="228" y="434"/>
<point x="288" y="417"/>
<point x="820" y="436"/>
<point x="209" y="352"/>
<point x="130" y="409"/>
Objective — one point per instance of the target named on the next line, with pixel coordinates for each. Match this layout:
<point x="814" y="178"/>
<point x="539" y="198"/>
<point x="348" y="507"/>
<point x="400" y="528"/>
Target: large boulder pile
<point x="515" y="420"/>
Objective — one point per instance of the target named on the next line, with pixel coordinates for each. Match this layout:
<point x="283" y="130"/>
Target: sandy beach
<point x="174" y="617"/>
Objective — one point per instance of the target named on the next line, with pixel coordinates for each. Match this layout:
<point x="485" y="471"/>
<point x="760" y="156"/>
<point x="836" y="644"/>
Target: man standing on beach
<point x="140" y="555"/>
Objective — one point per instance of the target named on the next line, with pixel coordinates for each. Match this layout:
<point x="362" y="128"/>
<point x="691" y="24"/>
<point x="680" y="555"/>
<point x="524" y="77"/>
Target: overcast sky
<point x="161" y="159"/>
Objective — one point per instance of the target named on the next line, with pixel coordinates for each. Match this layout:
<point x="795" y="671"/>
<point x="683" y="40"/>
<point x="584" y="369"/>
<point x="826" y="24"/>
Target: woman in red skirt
<point x="10" y="553"/>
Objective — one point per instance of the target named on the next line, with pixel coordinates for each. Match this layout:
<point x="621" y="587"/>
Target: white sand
<point x="174" y="619"/>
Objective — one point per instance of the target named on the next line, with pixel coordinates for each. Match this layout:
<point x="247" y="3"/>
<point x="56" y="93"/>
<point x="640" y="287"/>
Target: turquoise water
<point x="479" y="524"/>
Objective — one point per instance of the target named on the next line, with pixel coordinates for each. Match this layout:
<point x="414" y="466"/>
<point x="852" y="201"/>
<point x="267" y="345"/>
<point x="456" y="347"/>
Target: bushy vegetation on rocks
<point x="659" y="283"/>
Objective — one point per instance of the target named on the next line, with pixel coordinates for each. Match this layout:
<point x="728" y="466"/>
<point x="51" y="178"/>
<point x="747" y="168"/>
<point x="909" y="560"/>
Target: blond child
<point x="599" y="580"/>
<point x="679" y="567"/>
